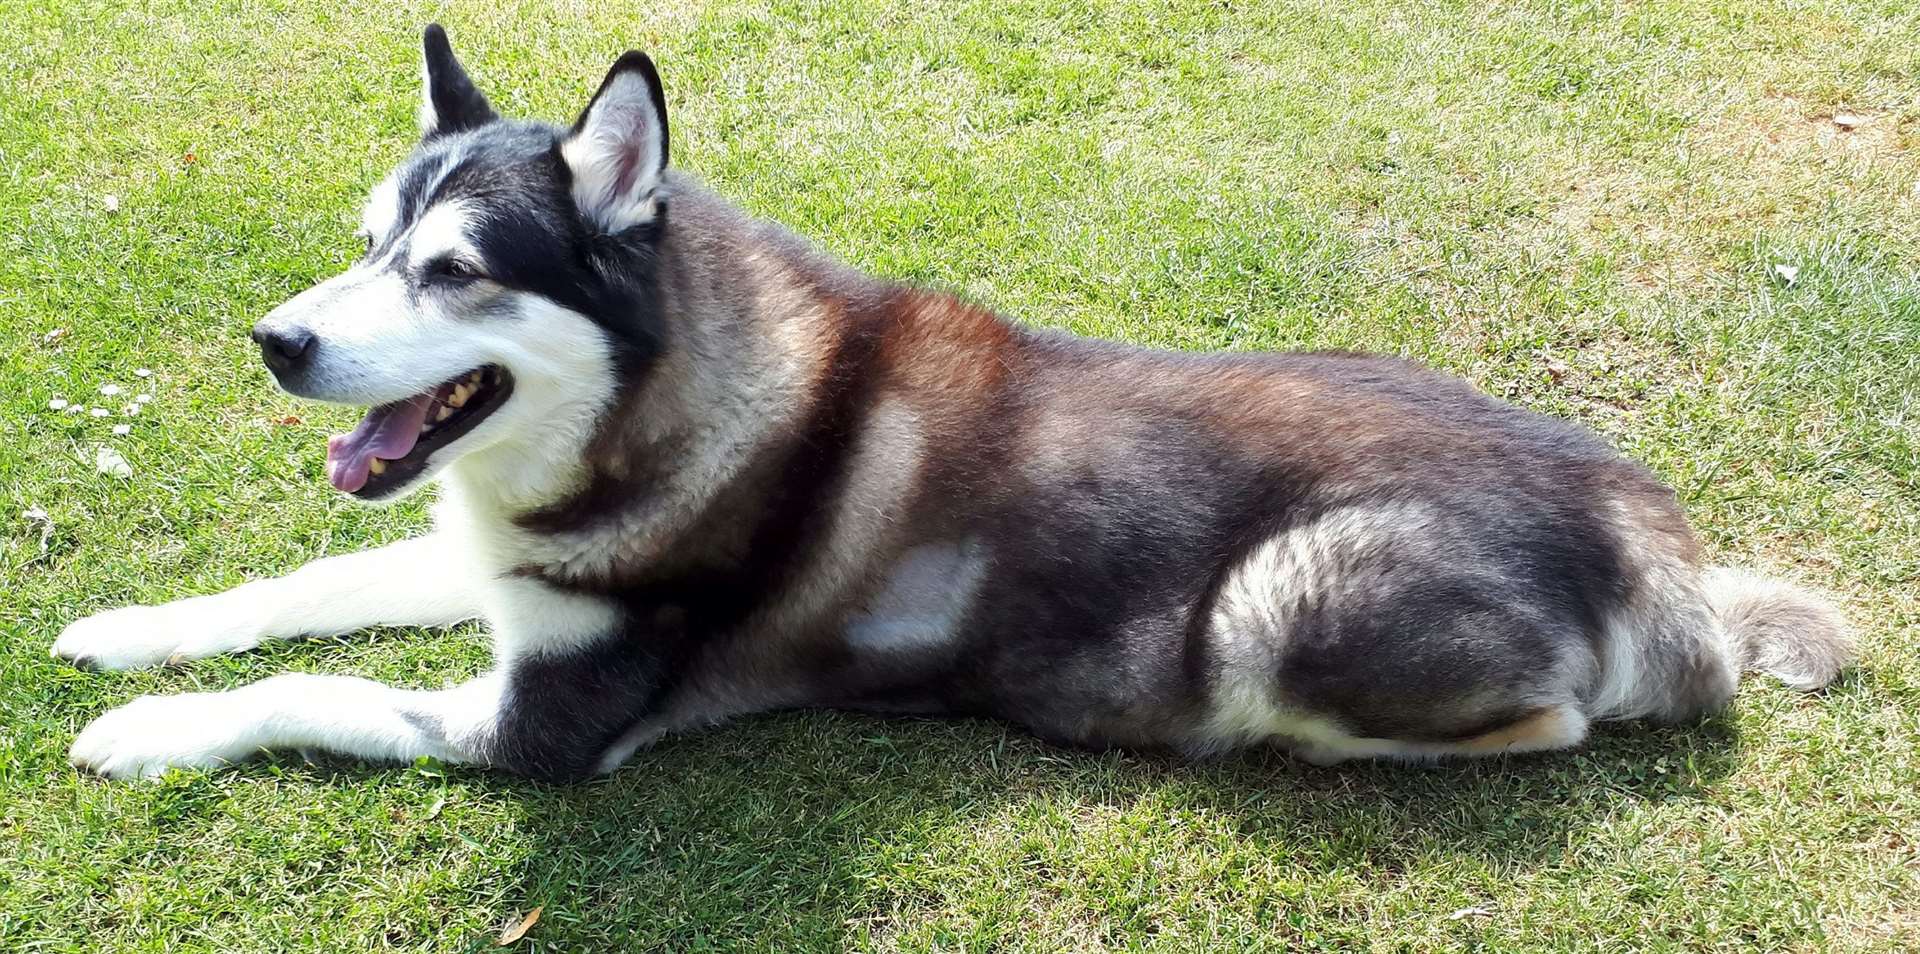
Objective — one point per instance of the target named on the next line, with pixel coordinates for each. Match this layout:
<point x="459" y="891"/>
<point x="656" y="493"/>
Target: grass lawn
<point x="1694" y="226"/>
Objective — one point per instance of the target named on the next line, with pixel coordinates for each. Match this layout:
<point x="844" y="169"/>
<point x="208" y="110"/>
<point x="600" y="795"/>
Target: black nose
<point x="284" y="349"/>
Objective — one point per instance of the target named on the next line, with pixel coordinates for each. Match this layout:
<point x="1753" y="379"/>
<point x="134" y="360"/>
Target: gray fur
<point x="1780" y="629"/>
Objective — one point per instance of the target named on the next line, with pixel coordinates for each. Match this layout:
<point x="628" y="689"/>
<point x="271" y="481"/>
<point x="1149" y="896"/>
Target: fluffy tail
<point x="1780" y="629"/>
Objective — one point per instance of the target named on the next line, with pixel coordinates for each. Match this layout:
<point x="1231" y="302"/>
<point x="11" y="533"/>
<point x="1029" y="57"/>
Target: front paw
<point x="137" y="636"/>
<point x="151" y="734"/>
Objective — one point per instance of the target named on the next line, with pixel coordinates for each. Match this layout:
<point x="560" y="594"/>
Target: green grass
<point x="1577" y="205"/>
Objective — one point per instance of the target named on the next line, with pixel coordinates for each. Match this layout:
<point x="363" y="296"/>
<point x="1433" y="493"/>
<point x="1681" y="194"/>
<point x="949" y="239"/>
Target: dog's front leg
<point x="342" y="714"/>
<point x="412" y="583"/>
<point x="571" y="677"/>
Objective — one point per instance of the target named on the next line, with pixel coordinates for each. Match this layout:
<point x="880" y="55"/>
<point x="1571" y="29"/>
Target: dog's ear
<point x="449" y="102"/>
<point x="618" y="147"/>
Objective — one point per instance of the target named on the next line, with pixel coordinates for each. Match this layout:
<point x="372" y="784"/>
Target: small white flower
<point x="110" y="202"/>
<point x="143" y="397"/>
<point x="109" y="389"/>
<point x="142" y="373"/>
<point x="133" y="410"/>
<point x="123" y="429"/>
<point x="75" y="408"/>
<point x="57" y="404"/>
<point x="1789" y="274"/>
<point x="99" y="412"/>
<point x="108" y="461"/>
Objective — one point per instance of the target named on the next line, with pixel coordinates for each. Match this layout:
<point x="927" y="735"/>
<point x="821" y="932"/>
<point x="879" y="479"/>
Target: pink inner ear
<point x="627" y="169"/>
<point x="629" y="145"/>
<point x="615" y="150"/>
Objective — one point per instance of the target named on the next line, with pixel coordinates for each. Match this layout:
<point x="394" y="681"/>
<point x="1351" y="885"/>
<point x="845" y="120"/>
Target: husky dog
<point x="691" y="468"/>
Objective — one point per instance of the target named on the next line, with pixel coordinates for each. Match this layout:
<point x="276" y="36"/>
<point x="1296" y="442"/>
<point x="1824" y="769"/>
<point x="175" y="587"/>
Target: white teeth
<point x="377" y="465"/>
<point x="442" y="414"/>
<point x="474" y="377"/>
<point x="460" y="394"/>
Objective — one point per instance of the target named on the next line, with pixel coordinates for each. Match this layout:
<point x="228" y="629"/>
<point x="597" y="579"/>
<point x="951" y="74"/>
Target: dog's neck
<point x="753" y="320"/>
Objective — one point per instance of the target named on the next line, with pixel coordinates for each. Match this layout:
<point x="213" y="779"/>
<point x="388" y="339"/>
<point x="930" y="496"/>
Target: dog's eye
<point x="452" y="270"/>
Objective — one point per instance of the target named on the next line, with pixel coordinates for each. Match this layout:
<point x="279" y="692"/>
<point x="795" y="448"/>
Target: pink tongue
<point x="387" y="432"/>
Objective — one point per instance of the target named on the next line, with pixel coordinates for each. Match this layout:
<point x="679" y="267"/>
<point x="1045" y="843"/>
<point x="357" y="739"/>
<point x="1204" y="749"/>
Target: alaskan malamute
<point x="691" y="468"/>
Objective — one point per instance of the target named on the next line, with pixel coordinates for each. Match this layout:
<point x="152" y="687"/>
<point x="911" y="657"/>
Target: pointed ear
<point x="618" y="147"/>
<point x="449" y="102"/>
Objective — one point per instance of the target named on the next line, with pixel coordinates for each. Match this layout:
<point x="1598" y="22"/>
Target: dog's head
<point x="505" y="285"/>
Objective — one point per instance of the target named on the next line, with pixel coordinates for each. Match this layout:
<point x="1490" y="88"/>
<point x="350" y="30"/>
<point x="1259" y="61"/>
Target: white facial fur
<point x="378" y="339"/>
<point x="529" y="450"/>
<point x="382" y="337"/>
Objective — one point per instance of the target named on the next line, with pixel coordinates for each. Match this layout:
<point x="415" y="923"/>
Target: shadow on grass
<point x="818" y="830"/>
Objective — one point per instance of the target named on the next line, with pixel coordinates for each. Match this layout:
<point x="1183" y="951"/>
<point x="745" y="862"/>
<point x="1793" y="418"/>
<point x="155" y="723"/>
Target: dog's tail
<point x="1791" y="634"/>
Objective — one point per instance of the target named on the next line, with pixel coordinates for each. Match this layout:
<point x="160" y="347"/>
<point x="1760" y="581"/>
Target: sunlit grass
<point x="1580" y="206"/>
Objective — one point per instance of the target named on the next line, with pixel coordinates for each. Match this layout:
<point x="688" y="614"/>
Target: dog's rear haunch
<point x="693" y="468"/>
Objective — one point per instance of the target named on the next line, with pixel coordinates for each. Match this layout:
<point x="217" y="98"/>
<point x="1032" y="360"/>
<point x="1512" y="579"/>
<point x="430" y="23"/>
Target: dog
<point x="691" y="468"/>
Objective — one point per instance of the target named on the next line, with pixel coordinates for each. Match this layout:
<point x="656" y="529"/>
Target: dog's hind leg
<point x="413" y="583"/>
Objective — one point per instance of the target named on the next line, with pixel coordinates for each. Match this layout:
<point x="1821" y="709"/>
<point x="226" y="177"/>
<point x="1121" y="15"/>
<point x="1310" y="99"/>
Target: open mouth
<point x="393" y="442"/>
